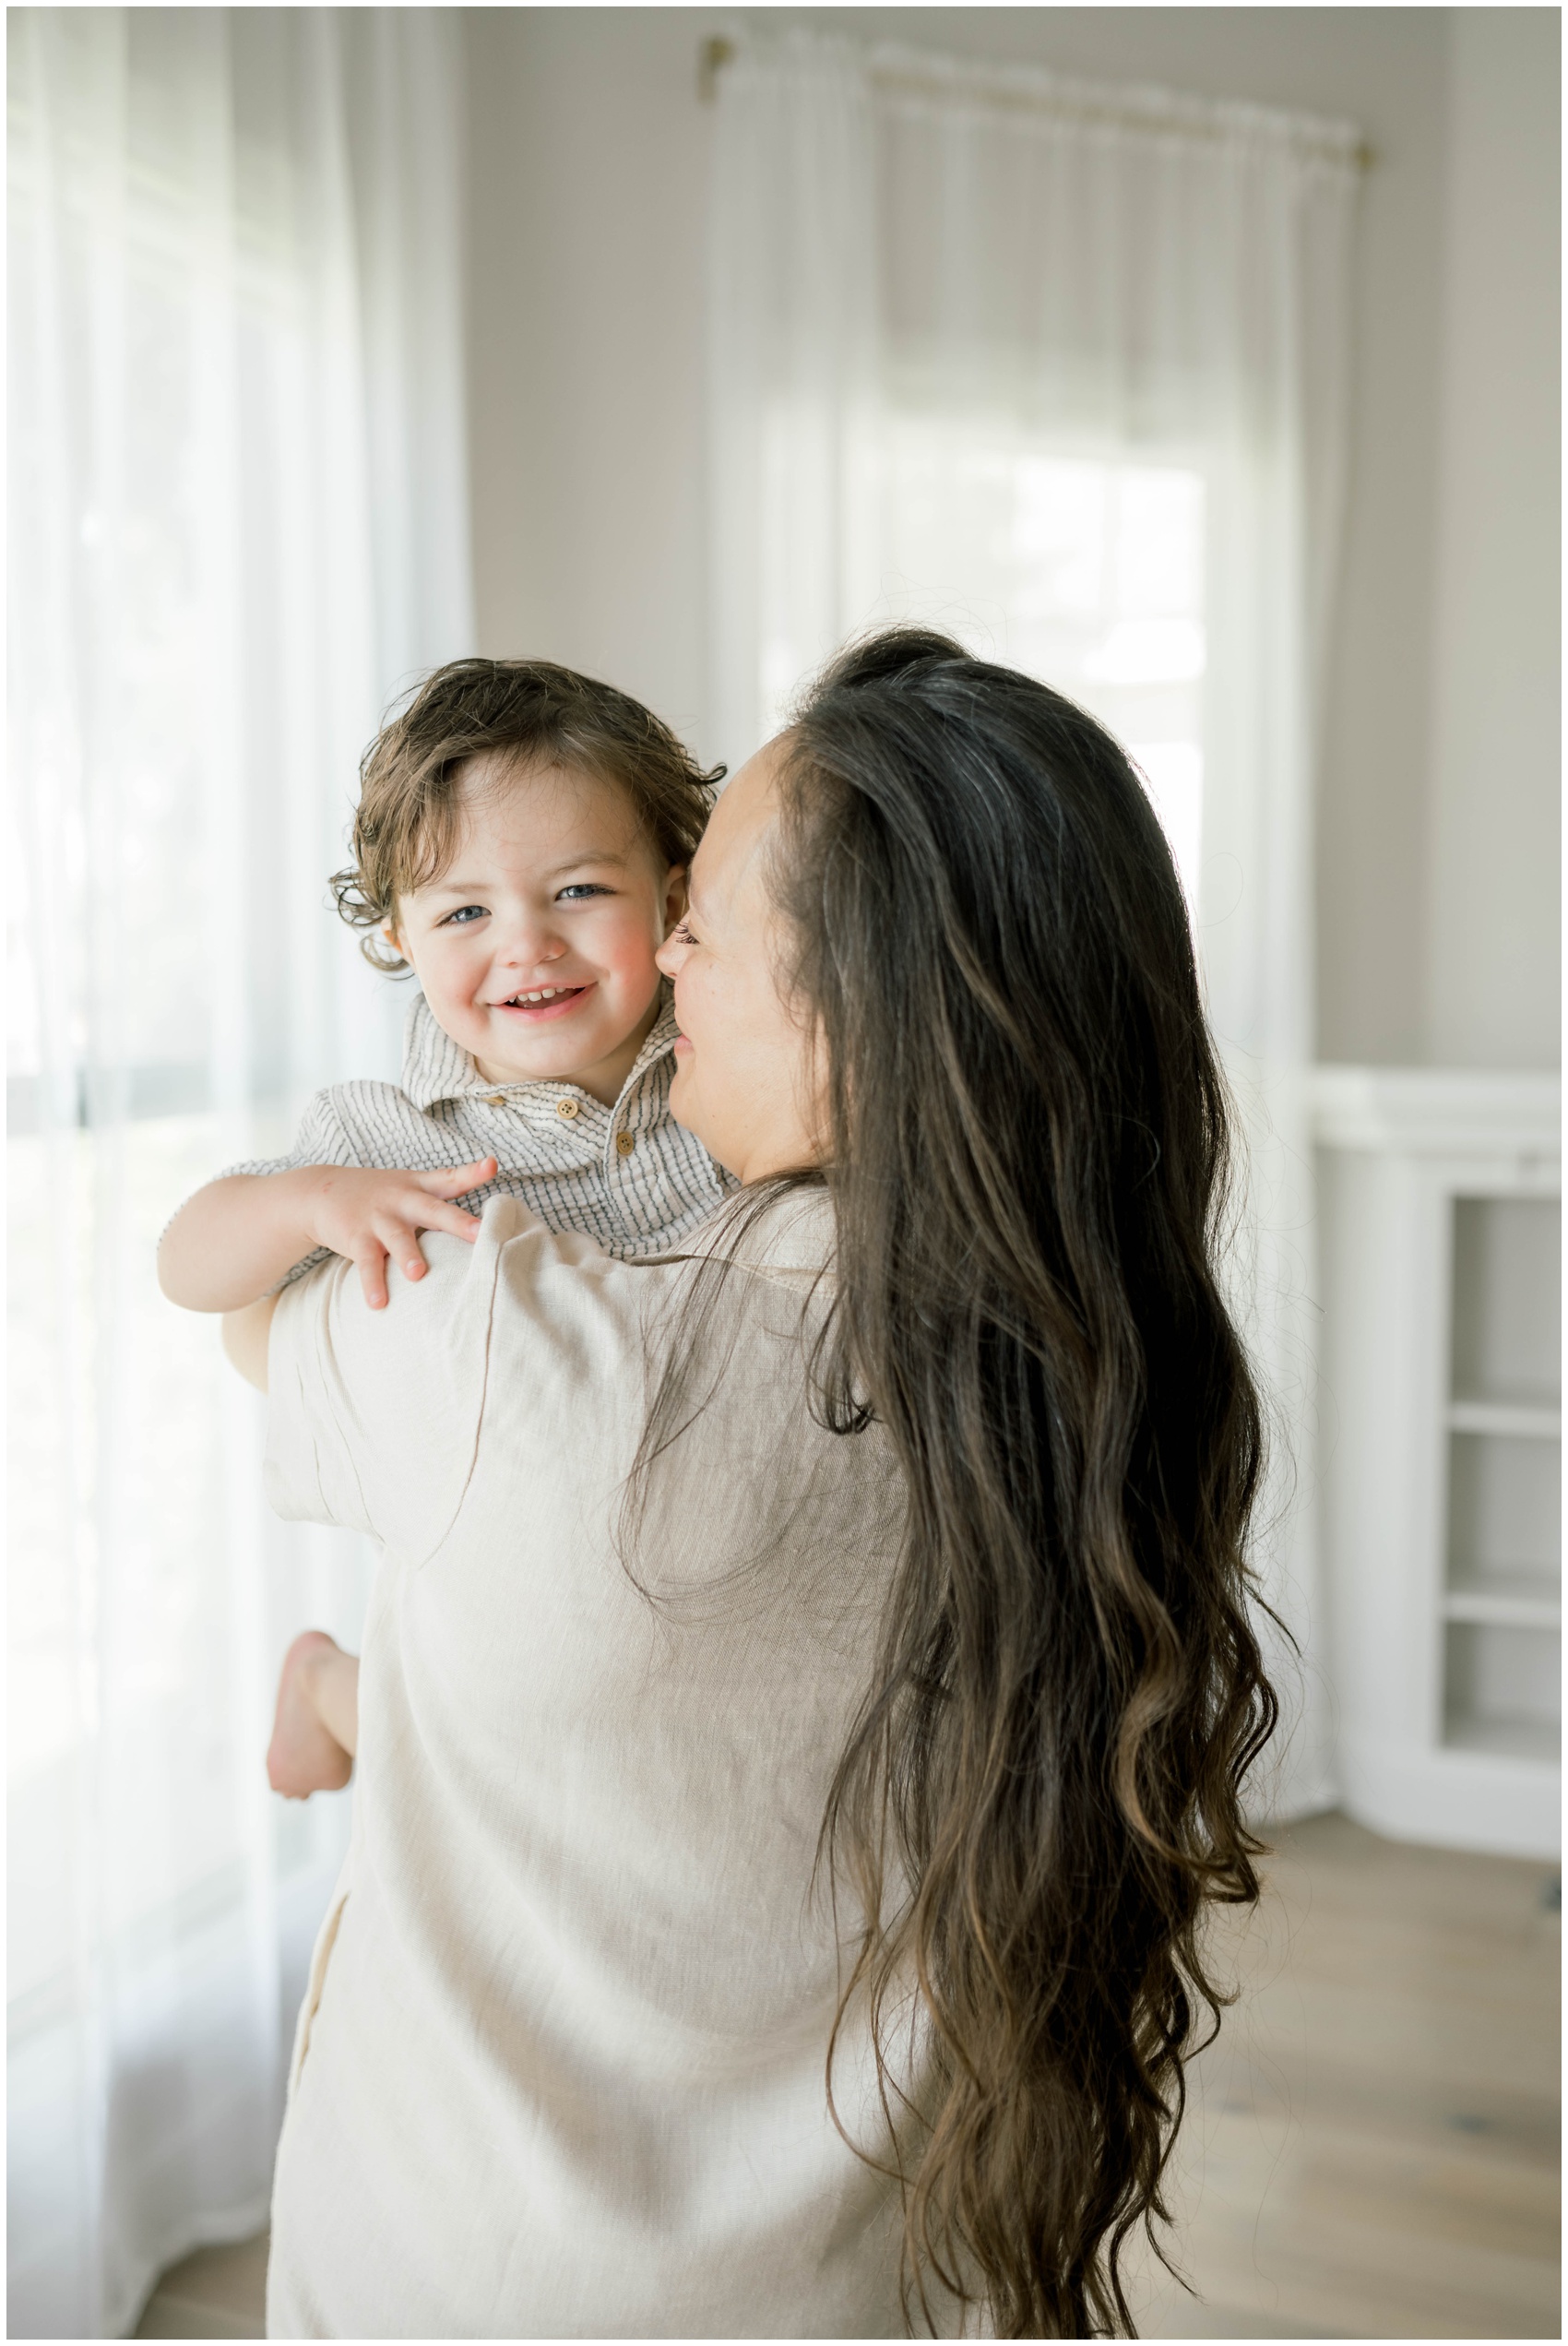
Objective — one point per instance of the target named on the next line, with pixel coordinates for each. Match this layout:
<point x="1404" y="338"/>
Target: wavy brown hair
<point x="531" y="712"/>
<point x="1043" y="1793"/>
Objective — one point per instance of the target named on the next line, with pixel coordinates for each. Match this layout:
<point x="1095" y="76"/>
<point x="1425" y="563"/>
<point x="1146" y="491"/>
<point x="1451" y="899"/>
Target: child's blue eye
<point x="580" y="889"/>
<point x="463" y="915"/>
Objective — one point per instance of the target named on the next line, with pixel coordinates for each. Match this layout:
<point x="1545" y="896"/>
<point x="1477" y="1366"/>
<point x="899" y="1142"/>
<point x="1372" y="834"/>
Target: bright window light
<point x="1088" y="572"/>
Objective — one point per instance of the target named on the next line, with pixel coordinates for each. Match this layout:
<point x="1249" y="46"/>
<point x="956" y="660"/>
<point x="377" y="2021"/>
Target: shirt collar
<point x="436" y="1068"/>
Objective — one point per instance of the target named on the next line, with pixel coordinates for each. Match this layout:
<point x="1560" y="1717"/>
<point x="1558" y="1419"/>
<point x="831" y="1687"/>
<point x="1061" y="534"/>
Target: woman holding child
<point x="808" y="1688"/>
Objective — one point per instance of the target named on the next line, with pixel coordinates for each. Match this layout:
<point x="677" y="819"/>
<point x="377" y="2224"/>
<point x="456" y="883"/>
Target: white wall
<point x="1493" y="993"/>
<point x="588" y="183"/>
<point x="588" y="176"/>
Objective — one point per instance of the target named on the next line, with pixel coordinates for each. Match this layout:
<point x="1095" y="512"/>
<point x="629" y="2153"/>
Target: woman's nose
<point x="669" y="956"/>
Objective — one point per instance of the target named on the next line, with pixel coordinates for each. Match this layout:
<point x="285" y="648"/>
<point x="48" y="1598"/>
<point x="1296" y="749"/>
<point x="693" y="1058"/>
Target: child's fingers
<point x="436" y="1216"/>
<point x="370" y="1261"/>
<point x="453" y="1180"/>
<point x="401" y="1243"/>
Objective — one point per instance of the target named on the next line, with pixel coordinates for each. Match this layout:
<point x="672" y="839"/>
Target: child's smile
<point x="552" y="998"/>
<point x="535" y="946"/>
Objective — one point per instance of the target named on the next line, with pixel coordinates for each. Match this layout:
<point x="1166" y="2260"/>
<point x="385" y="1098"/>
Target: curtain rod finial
<point x="713" y="56"/>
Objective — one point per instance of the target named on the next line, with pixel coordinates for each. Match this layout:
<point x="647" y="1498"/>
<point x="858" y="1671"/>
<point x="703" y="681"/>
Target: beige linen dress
<point x="559" y="2068"/>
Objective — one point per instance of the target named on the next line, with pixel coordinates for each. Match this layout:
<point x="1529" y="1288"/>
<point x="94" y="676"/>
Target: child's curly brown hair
<point x="405" y="829"/>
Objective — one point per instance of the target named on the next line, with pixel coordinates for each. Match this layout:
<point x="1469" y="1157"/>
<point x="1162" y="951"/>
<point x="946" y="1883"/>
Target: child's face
<point x="554" y="891"/>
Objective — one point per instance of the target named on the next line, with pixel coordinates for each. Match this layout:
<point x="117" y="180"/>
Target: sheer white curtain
<point x="1063" y="369"/>
<point x="238" y="524"/>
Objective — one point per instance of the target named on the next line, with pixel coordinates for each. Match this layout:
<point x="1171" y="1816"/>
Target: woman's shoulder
<point x="781" y="1233"/>
<point x="756" y="1261"/>
<point x="777" y="1232"/>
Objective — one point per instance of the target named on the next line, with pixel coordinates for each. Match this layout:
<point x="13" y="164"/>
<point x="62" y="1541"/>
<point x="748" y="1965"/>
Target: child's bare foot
<point x="302" y="1758"/>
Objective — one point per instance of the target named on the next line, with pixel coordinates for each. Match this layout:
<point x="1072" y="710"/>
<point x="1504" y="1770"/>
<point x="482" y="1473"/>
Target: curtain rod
<point x="907" y="76"/>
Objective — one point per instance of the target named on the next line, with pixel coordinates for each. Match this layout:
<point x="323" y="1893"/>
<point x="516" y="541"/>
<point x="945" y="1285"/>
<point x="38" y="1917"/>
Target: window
<point x="1084" y="570"/>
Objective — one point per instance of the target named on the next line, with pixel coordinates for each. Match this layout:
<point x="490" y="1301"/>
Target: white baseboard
<point x="1453" y="1799"/>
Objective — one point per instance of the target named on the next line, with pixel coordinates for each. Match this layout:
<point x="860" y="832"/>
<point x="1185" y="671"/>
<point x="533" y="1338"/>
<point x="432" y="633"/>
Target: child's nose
<point x="529" y="942"/>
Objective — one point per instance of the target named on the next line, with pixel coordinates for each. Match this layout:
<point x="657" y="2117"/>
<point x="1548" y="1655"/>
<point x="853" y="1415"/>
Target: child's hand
<point x="369" y="1216"/>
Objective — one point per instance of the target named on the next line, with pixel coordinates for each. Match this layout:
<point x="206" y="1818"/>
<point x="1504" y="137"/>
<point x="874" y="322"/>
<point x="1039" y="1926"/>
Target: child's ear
<point x="390" y="938"/>
<point x="674" y="896"/>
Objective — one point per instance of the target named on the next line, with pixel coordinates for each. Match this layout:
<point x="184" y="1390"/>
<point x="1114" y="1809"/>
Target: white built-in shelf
<point x="1441" y="1238"/>
<point x="1522" y="1421"/>
<point x="1532" y="1739"/>
<point x="1473" y="1115"/>
<point x="1506" y="1601"/>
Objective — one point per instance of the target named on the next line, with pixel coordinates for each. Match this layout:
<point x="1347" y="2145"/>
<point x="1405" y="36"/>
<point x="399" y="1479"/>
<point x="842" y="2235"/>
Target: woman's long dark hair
<point x="1027" y="1161"/>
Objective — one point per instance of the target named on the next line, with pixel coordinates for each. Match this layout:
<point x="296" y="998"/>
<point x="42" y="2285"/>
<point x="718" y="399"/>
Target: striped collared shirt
<point x="628" y="1176"/>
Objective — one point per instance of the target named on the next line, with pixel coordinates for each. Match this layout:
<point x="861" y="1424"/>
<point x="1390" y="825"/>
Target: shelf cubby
<point x="1502" y="1690"/>
<point x="1502" y="1597"/>
<point x="1507" y="1272"/>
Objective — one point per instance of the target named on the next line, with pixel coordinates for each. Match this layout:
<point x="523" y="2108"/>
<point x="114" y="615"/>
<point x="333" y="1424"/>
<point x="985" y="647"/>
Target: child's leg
<point x="338" y="1697"/>
<point x="316" y="1731"/>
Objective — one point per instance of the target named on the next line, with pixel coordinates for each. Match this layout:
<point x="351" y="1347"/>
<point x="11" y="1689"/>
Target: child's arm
<point x="233" y="1241"/>
<point x="248" y="1339"/>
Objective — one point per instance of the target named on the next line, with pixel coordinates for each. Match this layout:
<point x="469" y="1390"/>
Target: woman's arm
<point x="234" y="1240"/>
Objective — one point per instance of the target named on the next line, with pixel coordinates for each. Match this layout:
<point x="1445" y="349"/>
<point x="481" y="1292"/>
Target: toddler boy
<point x="521" y="846"/>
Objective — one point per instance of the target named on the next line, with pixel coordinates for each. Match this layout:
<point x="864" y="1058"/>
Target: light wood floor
<point x="1372" y="2144"/>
